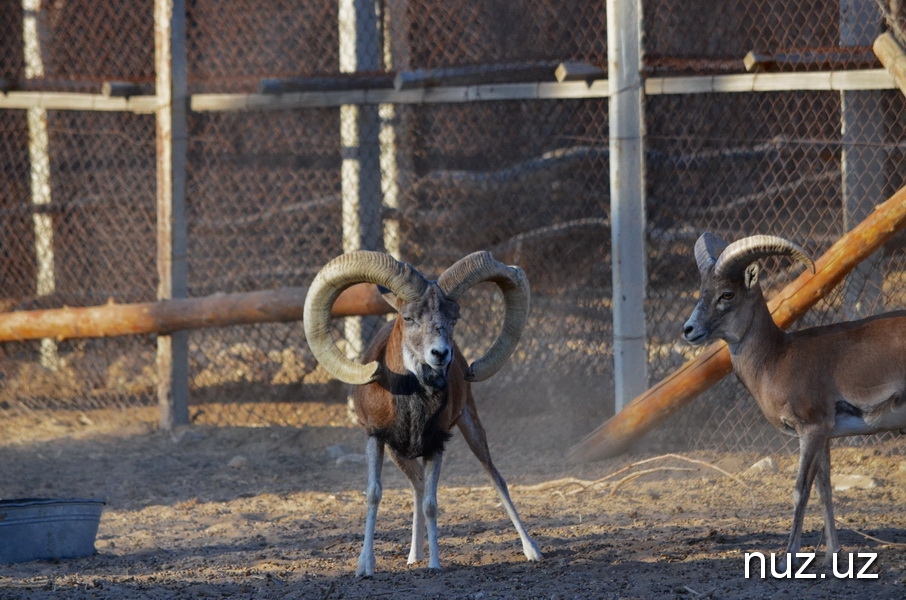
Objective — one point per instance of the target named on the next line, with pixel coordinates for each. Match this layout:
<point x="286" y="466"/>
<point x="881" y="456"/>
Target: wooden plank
<point x="578" y="71"/>
<point x="663" y="400"/>
<point x="871" y="79"/>
<point x="812" y="82"/>
<point x="120" y="89"/>
<point x="874" y="79"/>
<point x="74" y="101"/>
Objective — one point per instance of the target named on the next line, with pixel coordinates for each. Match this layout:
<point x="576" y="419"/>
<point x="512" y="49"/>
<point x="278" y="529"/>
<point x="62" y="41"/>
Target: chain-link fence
<point x="524" y="177"/>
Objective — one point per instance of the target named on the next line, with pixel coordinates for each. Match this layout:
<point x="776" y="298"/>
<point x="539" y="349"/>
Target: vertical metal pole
<point x="863" y="157"/>
<point x="360" y="50"/>
<point x="395" y="160"/>
<point x="360" y="127"/>
<point x="627" y="199"/>
<point x="33" y="37"/>
<point x="172" y="138"/>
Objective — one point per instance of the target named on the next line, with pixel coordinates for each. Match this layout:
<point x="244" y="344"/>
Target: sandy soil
<point x="270" y="512"/>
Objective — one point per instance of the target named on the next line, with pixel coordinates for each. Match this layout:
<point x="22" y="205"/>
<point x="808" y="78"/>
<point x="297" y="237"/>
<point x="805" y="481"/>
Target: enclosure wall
<point x="511" y="161"/>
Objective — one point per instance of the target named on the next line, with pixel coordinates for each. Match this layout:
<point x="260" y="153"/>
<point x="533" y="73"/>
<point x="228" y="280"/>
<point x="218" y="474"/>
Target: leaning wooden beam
<point x="641" y="415"/>
<point x="167" y="316"/>
<point x="892" y="57"/>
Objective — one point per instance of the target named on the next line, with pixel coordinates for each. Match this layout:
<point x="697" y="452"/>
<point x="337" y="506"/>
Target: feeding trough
<point x="44" y="528"/>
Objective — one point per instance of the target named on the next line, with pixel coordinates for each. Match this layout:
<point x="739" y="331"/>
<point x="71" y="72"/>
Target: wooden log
<point x="338" y="83"/>
<point x="891" y="55"/>
<point x="661" y="401"/>
<point x="120" y="89"/>
<point x="476" y="75"/>
<point x="578" y="71"/>
<point x="168" y="316"/>
<point x="834" y="59"/>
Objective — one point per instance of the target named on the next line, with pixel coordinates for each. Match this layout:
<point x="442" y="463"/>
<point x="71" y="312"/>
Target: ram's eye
<point x="408" y="319"/>
<point x="727" y="296"/>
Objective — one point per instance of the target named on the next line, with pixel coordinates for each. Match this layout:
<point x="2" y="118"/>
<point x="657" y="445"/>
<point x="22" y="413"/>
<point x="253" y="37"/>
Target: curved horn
<point x="337" y="275"/>
<point x="479" y="267"/>
<point x="740" y="254"/>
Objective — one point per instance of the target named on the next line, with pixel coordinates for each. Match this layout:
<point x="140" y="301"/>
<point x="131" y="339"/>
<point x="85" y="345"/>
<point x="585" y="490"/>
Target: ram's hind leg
<point x="825" y="491"/>
<point x="475" y="436"/>
<point x="414" y="473"/>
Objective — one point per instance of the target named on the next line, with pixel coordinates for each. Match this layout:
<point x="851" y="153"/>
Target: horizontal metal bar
<point x="870" y="79"/>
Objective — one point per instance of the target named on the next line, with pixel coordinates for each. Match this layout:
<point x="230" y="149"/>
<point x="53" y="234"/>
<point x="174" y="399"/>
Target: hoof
<point x="365" y="568"/>
<point x="829" y="559"/>
<point x="532" y="552"/>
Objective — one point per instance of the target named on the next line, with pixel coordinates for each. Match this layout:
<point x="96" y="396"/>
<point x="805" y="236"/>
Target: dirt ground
<point x="269" y="512"/>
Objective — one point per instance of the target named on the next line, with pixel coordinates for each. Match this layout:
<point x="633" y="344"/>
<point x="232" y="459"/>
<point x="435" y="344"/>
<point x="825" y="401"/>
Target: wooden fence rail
<point x="167" y="316"/>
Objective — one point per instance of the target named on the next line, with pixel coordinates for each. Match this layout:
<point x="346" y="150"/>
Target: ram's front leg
<point x="429" y="506"/>
<point x="811" y="442"/>
<point x="414" y="473"/>
<point x="374" y="453"/>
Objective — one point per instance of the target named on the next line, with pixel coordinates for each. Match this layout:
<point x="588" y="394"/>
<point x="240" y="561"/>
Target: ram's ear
<point x="751" y="276"/>
<point x="390" y="298"/>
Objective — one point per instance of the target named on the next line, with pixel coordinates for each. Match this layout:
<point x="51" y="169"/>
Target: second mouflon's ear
<point x="707" y="248"/>
<point x="390" y="298"/>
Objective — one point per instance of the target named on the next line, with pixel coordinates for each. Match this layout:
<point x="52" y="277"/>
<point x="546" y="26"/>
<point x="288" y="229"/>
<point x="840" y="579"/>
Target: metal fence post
<point x="34" y="34"/>
<point x="627" y="200"/>
<point x="172" y="139"/>
<point x="396" y="161"/>
<point x="360" y="127"/>
<point x="863" y="157"/>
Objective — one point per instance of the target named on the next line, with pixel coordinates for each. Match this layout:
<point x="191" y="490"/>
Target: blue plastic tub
<point x="44" y="528"/>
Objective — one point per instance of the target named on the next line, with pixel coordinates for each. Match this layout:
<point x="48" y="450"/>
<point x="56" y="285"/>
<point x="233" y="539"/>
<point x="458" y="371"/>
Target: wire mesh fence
<point x="527" y="179"/>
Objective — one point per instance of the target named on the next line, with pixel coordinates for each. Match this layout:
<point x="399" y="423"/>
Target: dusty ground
<point x="278" y="513"/>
